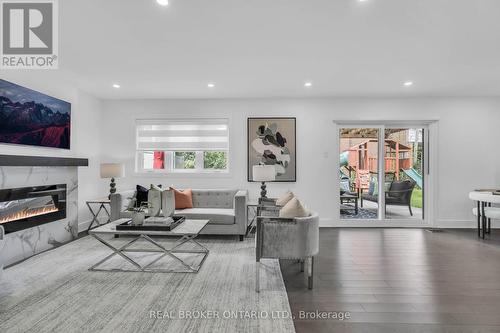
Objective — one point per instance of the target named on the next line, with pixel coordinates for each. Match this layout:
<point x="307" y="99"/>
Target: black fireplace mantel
<point x="18" y="160"/>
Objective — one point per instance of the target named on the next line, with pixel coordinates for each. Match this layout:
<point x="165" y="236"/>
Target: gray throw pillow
<point x="154" y="200"/>
<point x="168" y="203"/>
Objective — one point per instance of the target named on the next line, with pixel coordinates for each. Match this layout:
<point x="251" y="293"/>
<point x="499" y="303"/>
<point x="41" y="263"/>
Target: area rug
<point x="362" y="214"/>
<point x="55" y="292"/>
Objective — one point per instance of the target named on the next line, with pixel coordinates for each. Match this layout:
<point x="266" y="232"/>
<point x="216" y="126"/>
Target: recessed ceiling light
<point x="116" y="85"/>
<point x="308" y="84"/>
<point x="211" y="85"/>
<point x="408" y="83"/>
<point x="162" y="2"/>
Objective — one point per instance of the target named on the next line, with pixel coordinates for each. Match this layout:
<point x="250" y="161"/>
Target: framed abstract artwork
<point x="272" y="141"/>
<point x="28" y="117"/>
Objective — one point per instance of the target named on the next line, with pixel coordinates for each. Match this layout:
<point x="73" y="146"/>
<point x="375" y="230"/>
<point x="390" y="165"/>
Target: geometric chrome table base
<point x="121" y="251"/>
<point x="102" y="205"/>
<point x="186" y="231"/>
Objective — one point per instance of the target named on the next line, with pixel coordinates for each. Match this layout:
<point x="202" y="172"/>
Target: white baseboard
<point x="440" y="224"/>
<point x="331" y="223"/>
<point x="84" y="225"/>
<point x="461" y="224"/>
<point x="327" y="223"/>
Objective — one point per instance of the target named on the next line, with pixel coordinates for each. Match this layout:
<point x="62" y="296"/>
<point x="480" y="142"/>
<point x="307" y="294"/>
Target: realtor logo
<point x="29" y="34"/>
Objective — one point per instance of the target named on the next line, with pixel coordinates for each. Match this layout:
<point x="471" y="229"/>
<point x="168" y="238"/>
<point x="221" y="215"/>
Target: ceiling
<point x="270" y="48"/>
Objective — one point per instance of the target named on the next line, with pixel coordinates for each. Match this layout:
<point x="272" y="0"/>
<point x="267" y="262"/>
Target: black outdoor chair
<point x="399" y="194"/>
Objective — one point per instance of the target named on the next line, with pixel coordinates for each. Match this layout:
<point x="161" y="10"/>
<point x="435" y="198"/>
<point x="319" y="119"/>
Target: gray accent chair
<point x="285" y="238"/>
<point x="226" y="210"/>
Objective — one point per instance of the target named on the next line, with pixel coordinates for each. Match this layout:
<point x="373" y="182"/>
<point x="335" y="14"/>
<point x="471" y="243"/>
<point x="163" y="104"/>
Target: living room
<point x="265" y="87"/>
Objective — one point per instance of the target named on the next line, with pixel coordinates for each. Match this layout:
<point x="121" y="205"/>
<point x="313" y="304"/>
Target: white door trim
<point x="430" y="173"/>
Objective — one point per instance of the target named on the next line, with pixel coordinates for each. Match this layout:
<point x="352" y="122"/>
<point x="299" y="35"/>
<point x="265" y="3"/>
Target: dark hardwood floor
<point x="400" y="280"/>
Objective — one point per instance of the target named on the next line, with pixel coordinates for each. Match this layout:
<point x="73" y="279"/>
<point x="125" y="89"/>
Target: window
<point x="215" y="160"/>
<point x="182" y="145"/>
<point x="153" y="160"/>
<point x="185" y="160"/>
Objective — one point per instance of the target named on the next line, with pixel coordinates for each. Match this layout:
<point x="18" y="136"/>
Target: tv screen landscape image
<point x="28" y="117"/>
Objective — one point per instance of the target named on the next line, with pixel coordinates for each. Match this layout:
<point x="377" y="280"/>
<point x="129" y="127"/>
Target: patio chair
<point x="286" y="238"/>
<point x="399" y="194"/>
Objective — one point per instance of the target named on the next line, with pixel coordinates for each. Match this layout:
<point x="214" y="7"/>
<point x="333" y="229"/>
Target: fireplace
<point x="27" y="207"/>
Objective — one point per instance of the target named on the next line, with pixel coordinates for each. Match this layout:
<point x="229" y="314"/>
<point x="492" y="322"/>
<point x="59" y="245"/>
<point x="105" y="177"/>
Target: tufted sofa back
<point x="213" y="198"/>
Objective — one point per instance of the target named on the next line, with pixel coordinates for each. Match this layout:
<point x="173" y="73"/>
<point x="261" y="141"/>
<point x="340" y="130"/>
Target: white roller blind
<point x="182" y="134"/>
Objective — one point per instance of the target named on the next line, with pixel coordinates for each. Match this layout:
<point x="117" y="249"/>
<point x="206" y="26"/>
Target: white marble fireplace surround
<point x="26" y="243"/>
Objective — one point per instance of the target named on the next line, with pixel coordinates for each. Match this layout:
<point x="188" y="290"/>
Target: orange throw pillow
<point x="183" y="199"/>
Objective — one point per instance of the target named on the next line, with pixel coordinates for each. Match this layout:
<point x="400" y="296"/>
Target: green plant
<point x="214" y="160"/>
<point x="185" y="159"/>
<point x="137" y="209"/>
<point x="416" y="198"/>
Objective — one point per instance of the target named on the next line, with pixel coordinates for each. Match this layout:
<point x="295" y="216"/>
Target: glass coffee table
<point x="187" y="232"/>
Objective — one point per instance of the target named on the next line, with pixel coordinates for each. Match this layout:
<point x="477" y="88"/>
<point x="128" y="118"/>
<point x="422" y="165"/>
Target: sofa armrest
<point x="240" y="210"/>
<point x="119" y="202"/>
<point x="116" y="204"/>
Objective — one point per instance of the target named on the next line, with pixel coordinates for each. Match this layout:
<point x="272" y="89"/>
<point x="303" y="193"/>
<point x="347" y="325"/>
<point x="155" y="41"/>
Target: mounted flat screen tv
<point x="28" y="117"/>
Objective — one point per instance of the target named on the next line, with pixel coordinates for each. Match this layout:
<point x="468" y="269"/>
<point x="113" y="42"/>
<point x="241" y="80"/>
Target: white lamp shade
<point x="264" y="173"/>
<point x="112" y="170"/>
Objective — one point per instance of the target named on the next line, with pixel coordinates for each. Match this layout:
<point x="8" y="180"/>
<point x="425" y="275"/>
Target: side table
<point x="95" y="207"/>
<point x="251" y="225"/>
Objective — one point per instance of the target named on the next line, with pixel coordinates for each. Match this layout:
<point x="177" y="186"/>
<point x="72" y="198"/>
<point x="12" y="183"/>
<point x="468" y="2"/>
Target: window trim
<point x="169" y="170"/>
<point x="170" y="165"/>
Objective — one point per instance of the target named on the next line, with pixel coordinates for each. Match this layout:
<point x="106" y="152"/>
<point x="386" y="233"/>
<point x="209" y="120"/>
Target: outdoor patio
<point x="369" y="211"/>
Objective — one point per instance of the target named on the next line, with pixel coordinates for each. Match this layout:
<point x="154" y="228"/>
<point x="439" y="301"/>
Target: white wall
<point x="87" y="124"/>
<point x="467" y="144"/>
<point x="104" y="131"/>
<point x="85" y="129"/>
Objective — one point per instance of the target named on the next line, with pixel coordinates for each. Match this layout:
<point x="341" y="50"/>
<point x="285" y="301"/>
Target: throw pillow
<point x="154" y="200"/>
<point x="293" y="208"/>
<point x="141" y="195"/>
<point x="168" y="203"/>
<point x="283" y="200"/>
<point x="183" y="199"/>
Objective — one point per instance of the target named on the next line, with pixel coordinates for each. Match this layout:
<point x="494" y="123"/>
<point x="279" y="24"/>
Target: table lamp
<point x="264" y="173"/>
<point x="112" y="170"/>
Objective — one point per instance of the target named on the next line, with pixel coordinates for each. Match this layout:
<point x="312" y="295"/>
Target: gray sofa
<point x="226" y="210"/>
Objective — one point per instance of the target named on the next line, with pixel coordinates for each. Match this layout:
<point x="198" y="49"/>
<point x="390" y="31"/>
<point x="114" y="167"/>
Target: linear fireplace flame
<point x="27" y="207"/>
<point x="29" y="212"/>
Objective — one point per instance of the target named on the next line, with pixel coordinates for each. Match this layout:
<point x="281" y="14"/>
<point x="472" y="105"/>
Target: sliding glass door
<point x="381" y="172"/>
<point x="404" y="161"/>
<point x="358" y="172"/>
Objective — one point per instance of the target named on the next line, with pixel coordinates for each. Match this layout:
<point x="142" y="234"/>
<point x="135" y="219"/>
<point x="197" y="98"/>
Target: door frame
<point x="430" y="173"/>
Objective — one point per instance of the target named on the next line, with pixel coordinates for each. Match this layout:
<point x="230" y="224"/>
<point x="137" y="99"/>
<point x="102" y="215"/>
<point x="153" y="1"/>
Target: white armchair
<point x="284" y="238"/>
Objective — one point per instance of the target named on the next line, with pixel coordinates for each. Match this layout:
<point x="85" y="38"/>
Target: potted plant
<point x="139" y="213"/>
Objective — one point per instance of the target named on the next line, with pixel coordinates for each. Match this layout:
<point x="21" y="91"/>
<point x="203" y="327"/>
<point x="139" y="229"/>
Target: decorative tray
<point x="153" y="224"/>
